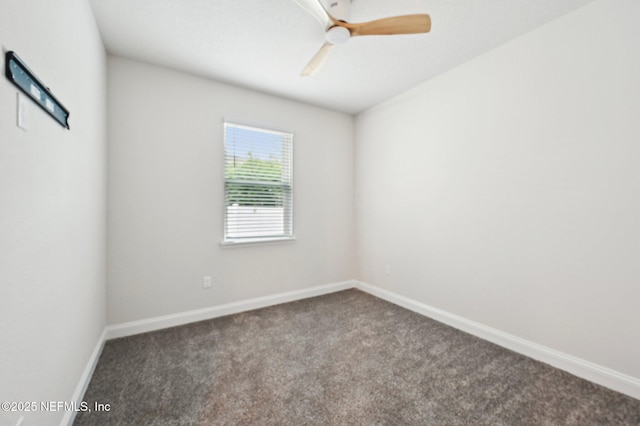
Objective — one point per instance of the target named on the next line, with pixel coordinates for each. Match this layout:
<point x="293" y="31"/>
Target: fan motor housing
<point x="337" y="35"/>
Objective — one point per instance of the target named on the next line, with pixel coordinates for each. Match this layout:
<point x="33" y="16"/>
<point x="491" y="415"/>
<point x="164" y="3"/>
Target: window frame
<point x="288" y="224"/>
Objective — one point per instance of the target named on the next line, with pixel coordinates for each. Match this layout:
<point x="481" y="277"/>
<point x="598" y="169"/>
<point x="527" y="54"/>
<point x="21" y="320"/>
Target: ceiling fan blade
<point x="317" y="10"/>
<point x="317" y="61"/>
<point x="407" y="24"/>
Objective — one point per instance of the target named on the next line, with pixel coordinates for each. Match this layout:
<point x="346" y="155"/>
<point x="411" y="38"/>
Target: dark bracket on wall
<point x="19" y="74"/>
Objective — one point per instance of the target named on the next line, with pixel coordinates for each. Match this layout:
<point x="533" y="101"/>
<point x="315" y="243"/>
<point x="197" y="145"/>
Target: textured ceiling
<point x="263" y="45"/>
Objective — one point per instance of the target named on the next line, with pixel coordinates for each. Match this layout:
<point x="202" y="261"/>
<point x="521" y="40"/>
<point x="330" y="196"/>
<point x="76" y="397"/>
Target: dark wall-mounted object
<point x="19" y="74"/>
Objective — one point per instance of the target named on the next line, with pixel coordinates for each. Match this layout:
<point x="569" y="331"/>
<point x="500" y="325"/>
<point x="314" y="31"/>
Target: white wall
<point x="52" y="207"/>
<point x="507" y="190"/>
<point x="504" y="191"/>
<point x="166" y="195"/>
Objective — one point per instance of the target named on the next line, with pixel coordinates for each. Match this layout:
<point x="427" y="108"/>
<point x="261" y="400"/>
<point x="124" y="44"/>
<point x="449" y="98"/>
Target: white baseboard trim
<point x="165" y="321"/>
<point x="85" y="378"/>
<point x="603" y="376"/>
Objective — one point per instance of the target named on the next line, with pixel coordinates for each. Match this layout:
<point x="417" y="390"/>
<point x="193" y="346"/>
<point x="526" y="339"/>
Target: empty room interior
<point x="320" y="212"/>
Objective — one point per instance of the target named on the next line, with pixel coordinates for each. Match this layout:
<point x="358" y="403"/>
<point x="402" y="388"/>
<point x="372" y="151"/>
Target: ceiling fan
<point x="334" y="15"/>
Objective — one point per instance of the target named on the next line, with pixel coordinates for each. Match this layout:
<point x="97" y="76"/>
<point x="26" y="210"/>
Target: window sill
<point x="256" y="242"/>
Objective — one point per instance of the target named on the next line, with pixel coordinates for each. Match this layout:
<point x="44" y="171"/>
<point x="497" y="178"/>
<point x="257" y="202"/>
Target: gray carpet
<point x="344" y="358"/>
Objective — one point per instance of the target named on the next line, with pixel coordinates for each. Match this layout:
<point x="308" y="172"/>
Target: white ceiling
<point x="263" y="45"/>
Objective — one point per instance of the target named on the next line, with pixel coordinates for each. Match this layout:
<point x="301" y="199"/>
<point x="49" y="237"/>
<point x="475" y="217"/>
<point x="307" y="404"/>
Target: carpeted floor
<point x="344" y="358"/>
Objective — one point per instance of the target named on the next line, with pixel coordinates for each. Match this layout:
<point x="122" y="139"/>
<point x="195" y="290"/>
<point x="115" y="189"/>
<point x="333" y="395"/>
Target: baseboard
<point x="157" y="323"/>
<point x="587" y="370"/>
<point x="85" y="378"/>
<point x="165" y="321"/>
<point x="595" y="373"/>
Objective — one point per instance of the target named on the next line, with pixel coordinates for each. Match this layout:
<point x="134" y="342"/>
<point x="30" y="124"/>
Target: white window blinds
<point x="257" y="184"/>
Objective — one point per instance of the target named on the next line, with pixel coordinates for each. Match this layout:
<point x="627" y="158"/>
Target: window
<point x="257" y="184"/>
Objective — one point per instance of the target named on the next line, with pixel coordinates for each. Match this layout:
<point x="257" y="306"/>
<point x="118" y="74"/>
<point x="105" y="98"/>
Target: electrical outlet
<point x="387" y="269"/>
<point x="206" y="282"/>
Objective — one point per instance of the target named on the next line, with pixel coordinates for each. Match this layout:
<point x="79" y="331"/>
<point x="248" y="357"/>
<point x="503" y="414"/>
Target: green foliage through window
<point x="258" y="183"/>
